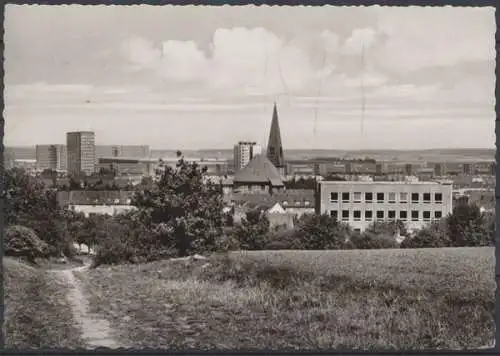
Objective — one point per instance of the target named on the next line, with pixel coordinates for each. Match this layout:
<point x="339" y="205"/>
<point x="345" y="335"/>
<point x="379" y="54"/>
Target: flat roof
<point x="156" y="160"/>
<point x="358" y="182"/>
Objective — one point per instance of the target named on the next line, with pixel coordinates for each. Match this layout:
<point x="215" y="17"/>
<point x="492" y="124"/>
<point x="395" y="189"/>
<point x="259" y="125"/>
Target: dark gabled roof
<point x="299" y="198"/>
<point x="258" y="170"/>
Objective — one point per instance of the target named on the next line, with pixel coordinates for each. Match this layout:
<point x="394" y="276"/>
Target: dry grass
<point x="36" y="311"/>
<point x="400" y="299"/>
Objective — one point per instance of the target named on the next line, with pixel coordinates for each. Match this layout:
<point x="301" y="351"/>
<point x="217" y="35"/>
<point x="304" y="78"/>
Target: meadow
<point x="37" y="314"/>
<point x="351" y="299"/>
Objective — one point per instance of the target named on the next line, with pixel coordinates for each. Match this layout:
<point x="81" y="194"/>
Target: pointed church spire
<point x="274" y="147"/>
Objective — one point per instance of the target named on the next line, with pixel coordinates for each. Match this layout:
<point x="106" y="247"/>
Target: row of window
<point x="380" y="215"/>
<point x="380" y="197"/>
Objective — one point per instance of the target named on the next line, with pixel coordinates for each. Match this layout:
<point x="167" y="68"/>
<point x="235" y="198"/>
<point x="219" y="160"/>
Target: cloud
<point x="406" y="91"/>
<point x="360" y="39"/>
<point x="448" y="36"/>
<point x="141" y="53"/>
<point x="248" y="60"/>
<point x="182" y="61"/>
<point x="159" y="107"/>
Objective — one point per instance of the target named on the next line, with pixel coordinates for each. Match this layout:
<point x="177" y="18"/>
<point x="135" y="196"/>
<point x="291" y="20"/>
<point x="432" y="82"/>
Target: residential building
<point x="360" y="203"/>
<point x="281" y="208"/>
<point x="274" y="145"/>
<point x="51" y="157"/>
<point x="81" y="152"/>
<point x="244" y="151"/>
<point x="96" y="202"/>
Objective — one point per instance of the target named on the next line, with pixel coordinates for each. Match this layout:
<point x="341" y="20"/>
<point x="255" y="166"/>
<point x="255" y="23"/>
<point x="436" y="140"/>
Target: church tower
<point x="274" y="147"/>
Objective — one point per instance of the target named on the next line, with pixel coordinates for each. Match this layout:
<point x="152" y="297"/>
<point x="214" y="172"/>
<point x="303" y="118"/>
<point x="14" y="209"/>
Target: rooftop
<point x="383" y="183"/>
<point x="297" y="198"/>
<point x="258" y="170"/>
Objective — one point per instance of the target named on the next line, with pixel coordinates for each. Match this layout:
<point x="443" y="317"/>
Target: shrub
<point x="282" y="239"/>
<point x="124" y="239"/>
<point x="23" y="242"/>
<point x="320" y="232"/>
<point x="468" y="226"/>
<point x="29" y="203"/>
<point x="252" y="232"/>
<point x="378" y="235"/>
<point x="433" y="235"/>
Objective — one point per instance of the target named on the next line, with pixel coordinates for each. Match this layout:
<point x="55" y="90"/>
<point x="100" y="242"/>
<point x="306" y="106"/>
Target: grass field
<point x="36" y="311"/>
<point x="372" y="299"/>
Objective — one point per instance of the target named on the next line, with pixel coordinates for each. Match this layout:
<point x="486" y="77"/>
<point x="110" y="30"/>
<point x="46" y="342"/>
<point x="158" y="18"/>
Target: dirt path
<point x="96" y="331"/>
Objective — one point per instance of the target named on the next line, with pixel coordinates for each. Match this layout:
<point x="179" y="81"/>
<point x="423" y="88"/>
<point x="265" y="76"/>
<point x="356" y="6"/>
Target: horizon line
<point x="289" y="149"/>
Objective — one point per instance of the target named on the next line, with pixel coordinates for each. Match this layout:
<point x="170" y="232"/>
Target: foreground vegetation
<point x="37" y="314"/>
<point x="401" y="299"/>
<point x="179" y="214"/>
<point x="354" y="297"/>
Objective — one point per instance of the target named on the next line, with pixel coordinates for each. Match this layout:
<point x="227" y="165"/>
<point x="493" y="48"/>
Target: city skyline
<point x="166" y="82"/>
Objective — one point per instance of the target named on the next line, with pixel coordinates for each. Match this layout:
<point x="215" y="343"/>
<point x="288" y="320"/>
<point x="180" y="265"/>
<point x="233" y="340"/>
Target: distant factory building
<point x="360" y="203"/>
<point x="130" y="151"/>
<point x="146" y="166"/>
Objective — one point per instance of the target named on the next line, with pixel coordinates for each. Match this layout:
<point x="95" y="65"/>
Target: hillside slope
<point x="37" y="314"/>
<point x="385" y="299"/>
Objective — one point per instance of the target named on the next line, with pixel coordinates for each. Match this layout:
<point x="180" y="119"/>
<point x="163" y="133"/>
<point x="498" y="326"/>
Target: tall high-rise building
<point x="244" y="152"/>
<point x="274" y="146"/>
<point x="51" y="157"/>
<point x="81" y="152"/>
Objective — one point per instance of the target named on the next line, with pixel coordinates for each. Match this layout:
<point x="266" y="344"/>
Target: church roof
<point x="259" y="170"/>
<point x="274" y="145"/>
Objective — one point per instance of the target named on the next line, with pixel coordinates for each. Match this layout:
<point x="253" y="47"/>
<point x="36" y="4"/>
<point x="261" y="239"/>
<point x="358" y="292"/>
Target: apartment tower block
<point x="81" y="152"/>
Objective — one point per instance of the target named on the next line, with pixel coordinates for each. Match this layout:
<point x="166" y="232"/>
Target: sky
<point x="199" y="77"/>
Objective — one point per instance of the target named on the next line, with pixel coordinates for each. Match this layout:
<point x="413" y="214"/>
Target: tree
<point x="467" y="226"/>
<point x="319" y="232"/>
<point x="30" y="204"/>
<point x="380" y="234"/>
<point x="183" y="208"/>
<point x="252" y="232"/>
<point x="23" y="242"/>
<point x="433" y="235"/>
<point x="52" y="174"/>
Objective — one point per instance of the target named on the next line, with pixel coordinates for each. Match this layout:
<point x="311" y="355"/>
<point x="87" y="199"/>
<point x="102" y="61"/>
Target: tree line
<point x="179" y="214"/>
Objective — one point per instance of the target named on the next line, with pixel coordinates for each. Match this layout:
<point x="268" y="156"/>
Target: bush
<point x="252" y="232"/>
<point x="320" y="232"/>
<point x="23" y="242"/>
<point x="369" y="241"/>
<point x="29" y="203"/>
<point x="378" y="235"/>
<point x="282" y="239"/>
<point x="433" y="235"/>
<point x="124" y="239"/>
<point x="467" y="226"/>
